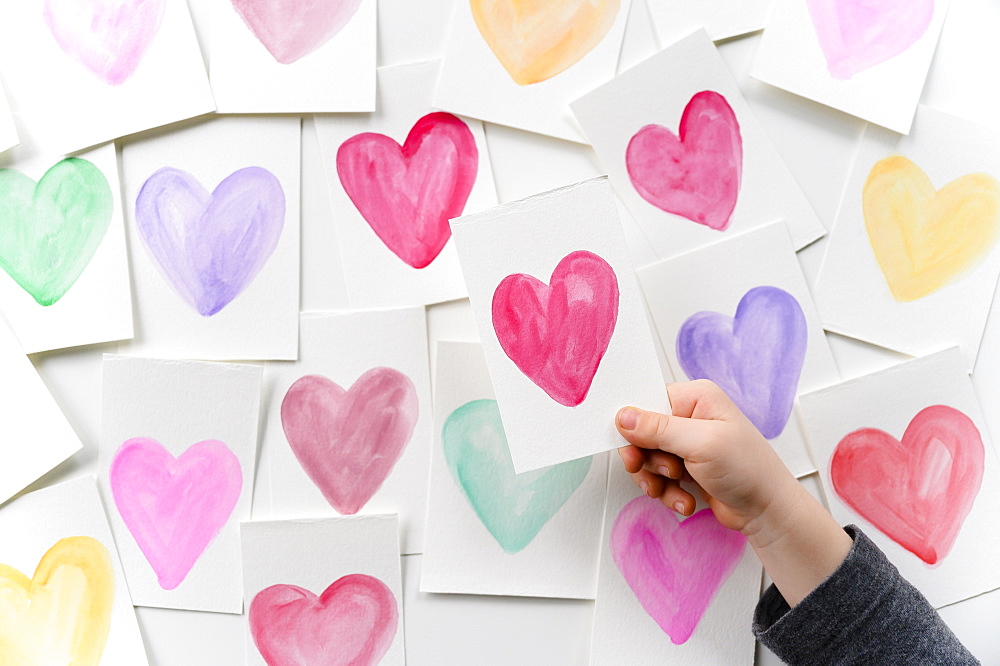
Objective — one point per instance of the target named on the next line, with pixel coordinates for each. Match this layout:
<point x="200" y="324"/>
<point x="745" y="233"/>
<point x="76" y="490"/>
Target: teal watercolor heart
<point x="49" y="231"/>
<point x="513" y="507"/>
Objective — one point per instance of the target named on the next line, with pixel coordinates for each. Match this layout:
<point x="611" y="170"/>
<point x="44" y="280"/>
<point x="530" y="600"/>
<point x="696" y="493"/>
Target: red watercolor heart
<point x="292" y="29"/>
<point x="349" y="441"/>
<point x="352" y="623"/>
<point x="917" y="491"/>
<point x="696" y="176"/>
<point x="408" y="193"/>
<point x="557" y="335"/>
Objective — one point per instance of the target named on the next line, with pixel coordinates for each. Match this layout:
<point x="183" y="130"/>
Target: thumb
<point x="673" y="434"/>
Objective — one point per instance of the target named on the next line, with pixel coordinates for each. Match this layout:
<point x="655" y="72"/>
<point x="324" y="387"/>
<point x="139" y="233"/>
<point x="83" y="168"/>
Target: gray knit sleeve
<point x="864" y="613"/>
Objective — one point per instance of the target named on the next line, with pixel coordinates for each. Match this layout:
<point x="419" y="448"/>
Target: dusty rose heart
<point x="349" y="441"/>
<point x="292" y="29"/>
<point x="917" y="490"/>
<point x="408" y="193"/>
<point x="353" y="622"/>
<point x="557" y="333"/>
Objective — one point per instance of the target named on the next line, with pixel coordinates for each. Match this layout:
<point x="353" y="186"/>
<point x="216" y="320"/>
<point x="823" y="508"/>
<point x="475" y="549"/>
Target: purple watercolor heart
<point x="756" y="357"/>
<point x="209" y="247"/>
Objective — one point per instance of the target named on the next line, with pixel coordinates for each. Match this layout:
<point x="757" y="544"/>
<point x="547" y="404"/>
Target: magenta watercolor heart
<point x="349" y="441"/>
<point x="352" y="623"/>
<point x="408" y="193"/>
<point x="557" y="333"/>
<point x="174" y="507"/>
<point x="675" y="568"/>
<point x="697" y="174"/>
<point x="210" y="247"/>
<point x="756" y="357"/>
<point x="292" y="29"/>
<point x="108" y="37"/>
<point x="858" y="34"/>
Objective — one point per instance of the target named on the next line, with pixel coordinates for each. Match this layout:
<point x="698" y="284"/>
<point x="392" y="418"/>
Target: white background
<point x="816" y="142"/>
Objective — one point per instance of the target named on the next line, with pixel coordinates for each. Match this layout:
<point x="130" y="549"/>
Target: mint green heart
<point x="50" y="231"/>
<point x="513" y="507"/>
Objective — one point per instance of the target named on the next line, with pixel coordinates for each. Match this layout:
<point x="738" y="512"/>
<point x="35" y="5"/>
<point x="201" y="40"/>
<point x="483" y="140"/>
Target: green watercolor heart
<point x="513" y="507"/>
<point x="49" y="231"/>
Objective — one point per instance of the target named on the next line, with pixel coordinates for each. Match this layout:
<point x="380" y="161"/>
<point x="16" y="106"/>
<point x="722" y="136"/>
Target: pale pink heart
<point x="173" y="507"/>
<point x="108" y="37"/>
<point x="292" y="29"/>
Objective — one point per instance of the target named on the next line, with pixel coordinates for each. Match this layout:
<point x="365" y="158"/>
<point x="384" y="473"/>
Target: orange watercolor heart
<point x="536" y="39"/>
<point x="924" y="238"/>
<point x="63" y="614"/>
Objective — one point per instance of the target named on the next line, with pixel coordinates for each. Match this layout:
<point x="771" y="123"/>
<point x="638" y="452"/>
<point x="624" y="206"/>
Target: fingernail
<point x="645" y="487"/>
<point x="679" y="507"/>
<point x="628" y="418"/>
<point x="663" y="471"/>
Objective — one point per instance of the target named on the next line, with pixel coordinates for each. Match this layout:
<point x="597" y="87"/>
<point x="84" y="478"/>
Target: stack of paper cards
<point x="721" y="19"/>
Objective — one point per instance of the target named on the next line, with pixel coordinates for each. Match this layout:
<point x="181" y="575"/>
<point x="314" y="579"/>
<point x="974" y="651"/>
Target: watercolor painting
<point x="408" y="193"/>
<point x="695" y="173"/>
<point x="513" y="507"/>
<point x="925" y="239"/>
<point x="349" y="441"/>
<point x="62" y="615"/>
<point x="210" y="246"/>
<point x="50" y="230"/>
<point x="535" y="40"/>
<point x="290" y="29"/>
<point x="756" y="356"/>
<point x="557" y="333"/>
<point x="856" y="35"/>
<point x="917" y="490"/>
<point x="675" y="568"/>
<point x="174" y="507"/>
<point x="108" y="37"/>
<point x="353" y="622"/>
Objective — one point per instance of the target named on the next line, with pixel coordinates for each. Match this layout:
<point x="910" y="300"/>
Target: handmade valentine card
<point x="913" y="259"/>
<point x="866" y="59"/>
<point x="521" y="65"/>
<point x="328" y="588"/>
<point x="395" y="179"/>
<point x="291" y="57"/>
<point x="348" y="425"/>
<point x="752" y="329"/>
<point x="562" y="321"/>
<point x="688" y="156"/>
<point x="176" y="470"/>
<point x="721" y="19"/>
<point x="65" y="596"/>
<point x="213" y="225"/>
<point x="904" y="453"/>
<point x="8" y="130"/>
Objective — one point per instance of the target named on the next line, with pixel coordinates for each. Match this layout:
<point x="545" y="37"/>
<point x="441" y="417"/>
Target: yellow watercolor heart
<point x="925" y="238"/>
<point x="536" y="39"/>
<point x="63" y="614"/>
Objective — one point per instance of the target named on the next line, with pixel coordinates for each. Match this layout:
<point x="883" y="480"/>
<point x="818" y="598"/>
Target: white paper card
<point x="561" y="319"/>
<point x="348" y="425"/>
<point x="176" y="470"/>
<point x="905" y="454"/>
<point x="868" y="60"/>
<point x="84" y="73"/>
<point x="687" y="154"/>
<point x="293" y="57"/>
<point x="327" y="588"/>
<point x="64" y="526"/>
<point x="8" y="130"/>
<point x="490" y="531"/>
<point x="739" y="312"/>
<point x="722" y="19"/>
<point x="391" y="205"/>
<point x="913" y="258"/>
<point x="213" y="223"/>
<point x="523" y="66"/>
<point x="697" y="612"/>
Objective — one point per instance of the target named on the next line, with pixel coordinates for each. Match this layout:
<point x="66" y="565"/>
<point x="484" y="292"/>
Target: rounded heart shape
<point x="292" y="29"/>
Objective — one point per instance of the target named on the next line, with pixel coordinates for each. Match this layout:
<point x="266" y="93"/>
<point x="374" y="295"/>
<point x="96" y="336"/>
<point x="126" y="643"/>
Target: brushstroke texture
<point x="292" y="29"/>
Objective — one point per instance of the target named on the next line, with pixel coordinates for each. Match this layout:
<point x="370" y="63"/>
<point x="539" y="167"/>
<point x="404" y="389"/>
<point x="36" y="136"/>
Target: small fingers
<point x="632" y="457"/>
<point x="662" y="463"/>
<point x="652" y="430"/>
<point x="676" y="498"/>
<point x="649" y="483"/>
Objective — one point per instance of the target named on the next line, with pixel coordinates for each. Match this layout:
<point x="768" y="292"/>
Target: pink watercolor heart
<point x="292" y="29"/>
<point x="349" y="441"/>
<point x="696" y="176"/>
<point x="174" y="507"/>
<point x="352" y="623"/>
<point x="675" y="568"/>
<point x="557" y="334"/>
<point x="108" y="37"/>
<point x="858" y="34"/>
<point x="408" y="193"/>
